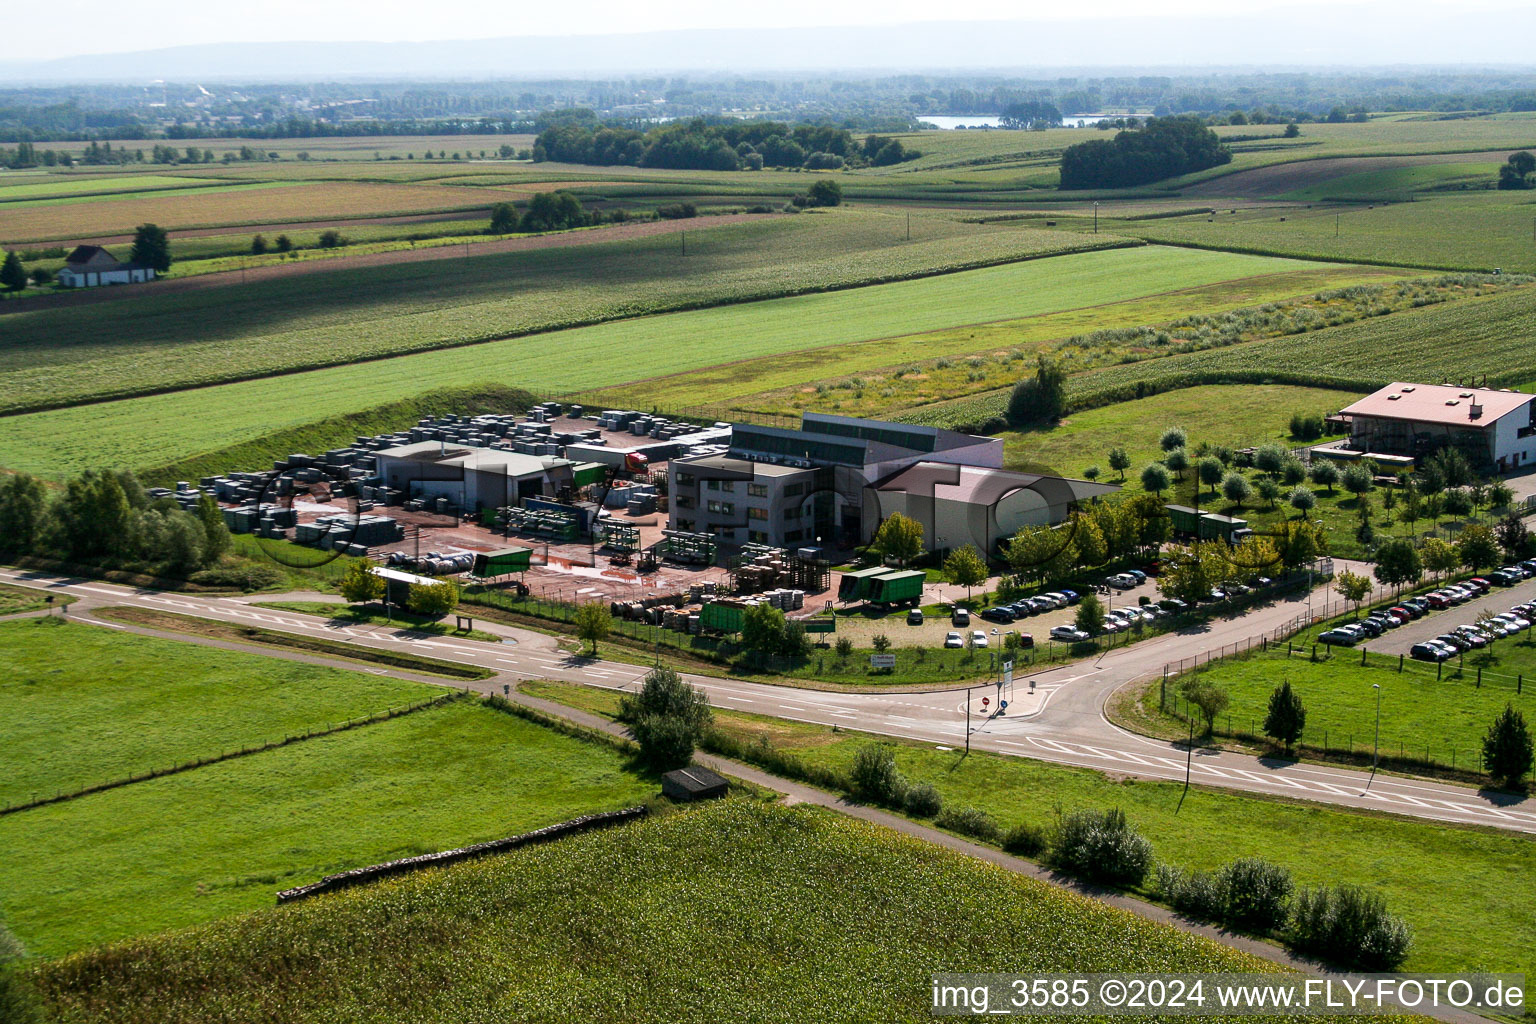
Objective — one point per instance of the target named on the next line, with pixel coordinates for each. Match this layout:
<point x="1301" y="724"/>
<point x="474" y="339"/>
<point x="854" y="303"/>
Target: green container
<point x="897" y="587"/>
<point x="855" y="585"/>
<point x="500" y="563"/>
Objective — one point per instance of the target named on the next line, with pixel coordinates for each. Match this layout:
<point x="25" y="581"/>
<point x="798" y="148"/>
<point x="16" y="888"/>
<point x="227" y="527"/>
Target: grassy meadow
<point x="121" y="704"/>
<point x="222" y="839"/>
<point x="17" y="600"/>
<point x="782" y="913"/>
<point x="1453" y="885"/>
<point x="164" y="428"/>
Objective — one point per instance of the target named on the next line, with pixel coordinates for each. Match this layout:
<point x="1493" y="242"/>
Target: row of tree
<point x="1164" y="148"/>
<point x="707" y="145"/>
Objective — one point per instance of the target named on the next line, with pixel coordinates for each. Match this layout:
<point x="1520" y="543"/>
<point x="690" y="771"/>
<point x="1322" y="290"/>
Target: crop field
<point x="231" y="204"/>
<point x="221" y="839"/>
<point x="350" y="148"/>
<point x="1456" y="231"/>
<point x="1465" y="339"/>
<point x="887" y="375"/>
<point x="784" y="913"/>
<point x="122" y="704"/>
<point x="164" y="428"/>
<point x="1474" y="871"/>
<point x="85" y="184"/>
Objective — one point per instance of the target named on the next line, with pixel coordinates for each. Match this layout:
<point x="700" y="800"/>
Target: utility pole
<point x="1189" y="755"/>
<point x="1095" y="216"/>
<point x="909" y="225"/>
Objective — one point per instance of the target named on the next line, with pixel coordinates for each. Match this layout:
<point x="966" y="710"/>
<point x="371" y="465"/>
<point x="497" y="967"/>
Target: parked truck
<point x="898" y="587"/>
<point x="1193" y="523"/>
<point x="723" y="616"/>
<point x="855" y="585"/>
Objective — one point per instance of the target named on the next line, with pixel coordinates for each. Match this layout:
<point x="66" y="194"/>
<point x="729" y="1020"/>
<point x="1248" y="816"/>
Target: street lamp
<point x="1376" y="750"/>
<point x="1095" y="216"/>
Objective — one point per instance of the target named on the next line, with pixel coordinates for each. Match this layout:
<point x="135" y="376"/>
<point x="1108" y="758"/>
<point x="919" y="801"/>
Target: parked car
<point x="1478" y="583"/>
<point x="1418" y="604"/>
<point x="1137" y="575"/>
<point x="1068" y="634"/>
<point x="1061" y="599"/>
<point x="1122" y="581"/>
<point x="1339" y="638"/>
<point x="978" y="638"/>
<point x="1041" y="604"/>
<point x="1072" y="596"/>
<point x="1026" y="641"/>
<point x="1529" y="563"/>
<point x="1404" y="612"/>
<point x="1173" y="604"/>
<point x="1505" y="578"/>
<point x="960" y="617"/>
<point x="1000" y="614"/>
<point x="1372" y="627"/>
<point x="1516" y="622"/>
<point x="1455" y="640"/>
<point x="953" y="639"/>
<point x="1475" y="637"/>
<point x="1428" y="652"/>
<point x="915" y="617"/>
<point x="1437" y="600"/>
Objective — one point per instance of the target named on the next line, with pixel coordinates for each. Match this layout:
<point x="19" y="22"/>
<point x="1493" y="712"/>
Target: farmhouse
<point x="1495" y="429"/>
<point x="91" y="265"/>
<point x="836" y="479"/>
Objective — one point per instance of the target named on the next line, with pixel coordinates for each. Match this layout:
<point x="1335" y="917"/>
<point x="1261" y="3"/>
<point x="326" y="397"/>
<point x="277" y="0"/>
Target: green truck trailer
<point x="724" y="616"/>
<point x="855" y="585"/>
<point x="882" y="585"/>
<point x="503" y="562"/>
<point x="1191" y="522"/>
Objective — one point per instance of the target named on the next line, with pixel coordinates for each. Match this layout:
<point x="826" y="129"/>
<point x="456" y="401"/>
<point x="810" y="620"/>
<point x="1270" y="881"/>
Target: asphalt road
<point x="1498" y="600"/>
<point x="1054" y="716"/>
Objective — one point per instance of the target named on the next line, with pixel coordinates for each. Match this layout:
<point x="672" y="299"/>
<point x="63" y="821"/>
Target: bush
<point x="677" y="211"/>
<point x="246" y="576"/>
<point x="666" y="742"/>
<point x="969" y="821"/>
<point x="1101" y="846"/>
<point x="433" y="600"/>
<point x="923" y="801"/>
<point x="844" y="647"/>
<point x="1192" y="893"/>
<point x="874" y="776"/>
<point x="1025" y="840"/>
<point x="1254" y="894"/>
<point x="1349" y="927"/>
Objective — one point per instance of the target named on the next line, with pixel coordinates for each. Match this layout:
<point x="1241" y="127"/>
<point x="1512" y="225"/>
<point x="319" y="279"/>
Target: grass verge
<point x="354" y="615"/>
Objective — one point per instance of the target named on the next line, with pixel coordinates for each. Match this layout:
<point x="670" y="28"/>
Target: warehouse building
<point x="837" y="478"/>
<point x="480" y="478"/>
<point x="1495" y="429"/>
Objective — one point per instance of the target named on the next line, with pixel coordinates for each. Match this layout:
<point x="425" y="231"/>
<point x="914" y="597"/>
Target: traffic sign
<point x="882" y="661"/>
<point x="985" y="701"/>
<point x="1007" y="673"/>
<point x="1003" y="705"/>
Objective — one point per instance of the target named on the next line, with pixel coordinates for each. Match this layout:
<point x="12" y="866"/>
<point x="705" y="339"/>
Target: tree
<point x="1162" y="148"/>
<point x="1042" y="399"/>
<point x="330" y="238"/>
<point x="1515" y="173"/>
<point x="1513" y="536"/>
<point x="1292" y="130"/>
<point x="1439" y="557"/>
<point x="284" y="243"/>
<point x="1500" y="494"/>
<point x="899" y="539"/>
<point x="1302" y="499"/>
<point x="553" y="211"/>
<point x="1458" y="502"/>
<point x="1155" y="479"/>
<point x="593" y="621"/>
<point x="1299" y="542"/>
<point x="1089" y="542"/>
<point x="1269" y="458"/>
<point x="1173" y="437"/>
<point x="23" y="505"/>
<point x="1292" y="472"/>
<point x="361" y="584"/>
<point x="1357" y="480"/>
<point x="1090" y="615"/>
<point x="1041" y="552"/>
<point x="433" y="600"/>
<point x="216" y="539"/>
<point x="1287" y="717"/>
<point x="965" y="568"/>
<point x="1397" y="563"/>
<point x="666" y="717"/>
<point x="1477" y="547"/>
<point x="1091" y="473"/>
<point x="1210" y="471"/>
<point x="874" y="777"/>
<point x="825" y="192"/>
<point x="503" y="219"/>
<point x="1187" y="575"/>
<point x="1324" y="473"/>
<point x="1236" y="488"/>
<point x="1119" y="461"/>
<point x="1507" y="750"/>
<point x="1352" y="587"/>
<point x="762" y="630"/>
<point x="1269" y="491"/>
<point x="151" y="247"/>
<point x="13" y="275"/>
<point x="1178" y="461"/>
<point x="258" y="245"/>
<point x="1210" y="699"/>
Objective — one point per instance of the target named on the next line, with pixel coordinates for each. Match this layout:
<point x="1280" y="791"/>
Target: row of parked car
<point x="1006" y="613"/>
<point x="1470" y="636"/>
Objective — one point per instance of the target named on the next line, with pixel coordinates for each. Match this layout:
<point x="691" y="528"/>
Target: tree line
<point x="1164" y="148"/>
<point x="702" y="144"/>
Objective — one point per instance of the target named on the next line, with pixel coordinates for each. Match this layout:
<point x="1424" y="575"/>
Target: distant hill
<point x="1373" y="34"/>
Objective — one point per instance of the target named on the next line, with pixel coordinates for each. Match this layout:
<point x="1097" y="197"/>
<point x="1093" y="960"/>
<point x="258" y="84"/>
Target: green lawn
<point x="15" y="600"/>
<point x="82" y="704"/>
<point x="734" y="911"/>
<point x="1454" y="886"/>
<point x="373" y="615"/>
<point x="158" y="429"/>
<point x="186" y="849"/>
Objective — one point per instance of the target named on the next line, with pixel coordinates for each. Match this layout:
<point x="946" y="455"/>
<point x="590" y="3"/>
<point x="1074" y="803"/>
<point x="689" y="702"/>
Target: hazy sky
<point x="34" y="31"/>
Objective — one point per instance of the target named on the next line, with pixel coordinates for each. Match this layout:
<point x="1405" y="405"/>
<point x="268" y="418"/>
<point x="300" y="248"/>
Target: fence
<point x="374" y="872"/>
<point x="229" y="755"/>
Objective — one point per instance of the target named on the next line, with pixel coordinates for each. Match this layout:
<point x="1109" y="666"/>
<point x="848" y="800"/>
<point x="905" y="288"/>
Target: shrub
<point x="844" y="647"/>
<point x="874" y="776"/>
<point x="1192" y="893"/>
<point x="969" y="821"/>
<point x="1254" y="894"/>
<point x="1101" y="846"/>
<point x="1348" y="926"/>
<point x="246" y="576"/>
<point x="1025" y="840"/>
<point x="923" y="801"/>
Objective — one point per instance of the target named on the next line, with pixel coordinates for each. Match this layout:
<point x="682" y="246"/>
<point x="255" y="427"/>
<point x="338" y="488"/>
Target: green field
<point x="15" y="600"/>
<point x="780" y="914"/>
<point x="92" y="184"/>
<point x="164" y="428"/>
<point x="190" y="848"/>
<point x="120" y="704"/>
<point x="1454" y="886"/>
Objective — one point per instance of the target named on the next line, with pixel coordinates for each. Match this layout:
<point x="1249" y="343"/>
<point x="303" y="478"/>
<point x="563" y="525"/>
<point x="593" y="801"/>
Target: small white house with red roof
<point x="90" y="266"/>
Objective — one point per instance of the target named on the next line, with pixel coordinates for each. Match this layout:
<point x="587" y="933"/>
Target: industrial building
<point x="1495" y="429"/>
<point x="833" y="481"/>
<point x="472" y="478"/>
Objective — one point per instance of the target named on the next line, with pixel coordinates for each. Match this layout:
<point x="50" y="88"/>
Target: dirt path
<point x="176" y="286"/>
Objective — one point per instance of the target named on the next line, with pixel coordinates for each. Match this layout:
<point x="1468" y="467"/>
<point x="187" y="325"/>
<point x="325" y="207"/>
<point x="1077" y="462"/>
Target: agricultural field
<point x="783" y="913"/>
<point x="263" y="202"/>
<point x="76" y="185"/>
<point x="122" y="704"/>
<point x="344" y="148"/>
<point x="223" y="838"/>
<point x="1453" y="885"/>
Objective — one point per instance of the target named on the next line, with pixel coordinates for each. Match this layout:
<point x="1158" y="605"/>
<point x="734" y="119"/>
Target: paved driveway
<point x="1499" y="599"/>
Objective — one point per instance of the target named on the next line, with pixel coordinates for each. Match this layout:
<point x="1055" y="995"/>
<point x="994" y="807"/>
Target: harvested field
<point x="233" y="205"/>
<point x="1281" y="179"/>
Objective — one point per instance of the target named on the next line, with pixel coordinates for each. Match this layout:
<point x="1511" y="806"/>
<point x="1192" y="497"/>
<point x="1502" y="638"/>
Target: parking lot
<point x="1499" y="599"/>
